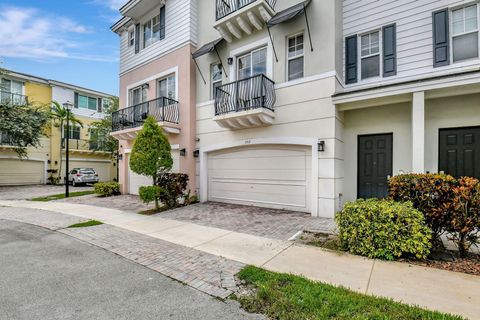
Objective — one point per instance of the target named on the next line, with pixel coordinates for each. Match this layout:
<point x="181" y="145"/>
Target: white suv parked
<point x="80" y="176"/>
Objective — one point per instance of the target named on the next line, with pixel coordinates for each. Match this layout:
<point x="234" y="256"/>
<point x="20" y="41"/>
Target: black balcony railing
<point x="226" y="7"/>
<point x="246" y="94"/>
<point x="85" y="145"/>
<point x="161" y="109"/>
<point x="12" y="98"/>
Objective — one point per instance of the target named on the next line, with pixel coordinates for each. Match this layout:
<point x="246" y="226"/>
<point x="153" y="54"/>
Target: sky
<point x="63" y="40"/>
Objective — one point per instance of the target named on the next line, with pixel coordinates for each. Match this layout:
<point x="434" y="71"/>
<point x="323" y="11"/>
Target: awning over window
<point x="207" y="48"/>
<point x="288" y="13"/>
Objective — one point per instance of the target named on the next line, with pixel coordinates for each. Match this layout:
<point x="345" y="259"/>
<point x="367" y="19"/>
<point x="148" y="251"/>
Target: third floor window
<point x="465" y="33"/>
<point x="370" y="55"/>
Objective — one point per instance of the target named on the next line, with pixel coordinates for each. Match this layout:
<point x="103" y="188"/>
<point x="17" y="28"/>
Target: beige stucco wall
<point x="323" y="16"/>
<point x="396" y="119"/>
<point x="181" y="59"/>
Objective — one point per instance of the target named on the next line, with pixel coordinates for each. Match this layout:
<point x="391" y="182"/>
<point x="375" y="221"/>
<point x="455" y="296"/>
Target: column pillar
<point x="418" y="132"/>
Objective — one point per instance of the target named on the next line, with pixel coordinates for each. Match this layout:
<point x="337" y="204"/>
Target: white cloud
<point x="29" y="33"/>
<point x="115" y="4"/>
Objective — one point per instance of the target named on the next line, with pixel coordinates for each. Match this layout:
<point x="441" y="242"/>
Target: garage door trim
<point x="294" y="141"/>
<point x="45" y="164"/>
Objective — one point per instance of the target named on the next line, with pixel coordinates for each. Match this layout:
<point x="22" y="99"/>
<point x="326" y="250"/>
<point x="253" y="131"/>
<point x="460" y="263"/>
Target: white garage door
<point x="269" y="176"/>
<point x="136" y="181"/>
<point x="102" y="168"/>
<point x="21" y="172"/>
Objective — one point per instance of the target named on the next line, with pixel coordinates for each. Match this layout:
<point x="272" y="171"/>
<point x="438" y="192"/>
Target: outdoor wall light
<point x="230" y="61"/>
<point x="196" y="153"/>
<point x="183" y="152"/>
<point x="321" y="146"/>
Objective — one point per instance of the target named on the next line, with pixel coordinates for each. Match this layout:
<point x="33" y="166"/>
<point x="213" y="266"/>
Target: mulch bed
<point x="445" y="260"/>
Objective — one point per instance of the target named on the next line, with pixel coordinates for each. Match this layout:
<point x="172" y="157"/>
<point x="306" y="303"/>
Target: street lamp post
<point x="68" y="106"/>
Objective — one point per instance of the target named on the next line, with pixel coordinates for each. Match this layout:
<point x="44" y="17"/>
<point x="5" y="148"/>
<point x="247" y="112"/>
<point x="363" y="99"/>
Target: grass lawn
<point x="90" y="223"/>
<point x="282" y="296"/>
<point x="62" y="196"/>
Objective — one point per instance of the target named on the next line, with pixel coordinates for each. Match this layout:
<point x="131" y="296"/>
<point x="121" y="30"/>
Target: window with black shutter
<point x="351" y="59"/>
<point x="441" y="49"/>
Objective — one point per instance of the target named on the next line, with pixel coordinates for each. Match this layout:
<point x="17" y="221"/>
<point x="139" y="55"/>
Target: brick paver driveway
<point x="29" y="192"/>
<point x="263" y="222"/>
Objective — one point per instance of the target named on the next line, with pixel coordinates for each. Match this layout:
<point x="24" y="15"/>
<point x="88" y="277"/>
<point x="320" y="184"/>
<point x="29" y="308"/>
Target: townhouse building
<point x="303" y="105"/>
<point x="86" y="148"/>
<point x="157" y="78"/>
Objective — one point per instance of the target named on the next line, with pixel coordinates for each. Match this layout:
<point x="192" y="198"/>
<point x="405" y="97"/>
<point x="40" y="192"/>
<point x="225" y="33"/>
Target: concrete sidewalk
<point x="435" y="289"/>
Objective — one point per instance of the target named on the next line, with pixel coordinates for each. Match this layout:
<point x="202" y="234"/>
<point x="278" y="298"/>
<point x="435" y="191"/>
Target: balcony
<point x="245" y="103"/>
<point x="127" y="122"/>
<point x="85" y="146"/>
<point x="9" y="98"/>
<point x="238" y="17"/>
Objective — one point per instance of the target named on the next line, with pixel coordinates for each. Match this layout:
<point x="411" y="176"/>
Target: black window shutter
<point x="75" y="103"/>
<point x="137" y="38"/>
<point x="389" y="50"/>
<point x="351" y="69"/>
<point x="99" y="106"/>
<point x="441" y="49"/>
<point x="162" y="22"/>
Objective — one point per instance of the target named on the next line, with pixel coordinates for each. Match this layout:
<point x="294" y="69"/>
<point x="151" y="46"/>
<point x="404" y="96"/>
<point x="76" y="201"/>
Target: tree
<point x="103" y="128"/>
<point x="151" y="154"/>
<point x="59" y="116"/>
<point x="24" y="125"/>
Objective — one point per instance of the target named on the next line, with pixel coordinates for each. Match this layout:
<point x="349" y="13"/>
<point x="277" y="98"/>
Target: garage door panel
<point x="103" y="169"/>
<point x="266" y="176"/>
<point x="21" y="172"/>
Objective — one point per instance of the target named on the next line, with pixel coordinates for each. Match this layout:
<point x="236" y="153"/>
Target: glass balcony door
<point x="250" y="94"/>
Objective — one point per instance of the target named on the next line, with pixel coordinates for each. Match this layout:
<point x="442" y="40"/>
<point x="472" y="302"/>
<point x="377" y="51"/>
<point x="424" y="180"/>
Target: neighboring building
<point x="85" y="145"/>
<point x="157" y="78"/>
<point x="303" y="105"/>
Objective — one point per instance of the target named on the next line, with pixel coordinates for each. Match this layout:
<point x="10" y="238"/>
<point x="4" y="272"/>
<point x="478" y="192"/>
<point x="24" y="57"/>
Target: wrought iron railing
<point x="226" y="7"/>
<point x="246" y="94"/>
<point x="7" y="97"/>
<point x="161" y="109"/>
<point x="85" y="145"/>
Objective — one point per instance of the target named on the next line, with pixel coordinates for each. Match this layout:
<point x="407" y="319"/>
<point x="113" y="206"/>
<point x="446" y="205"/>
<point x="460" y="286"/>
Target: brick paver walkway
<point x="206" y="272"/>
<point x="127" y="202"/>
<point x="263" y="222"/>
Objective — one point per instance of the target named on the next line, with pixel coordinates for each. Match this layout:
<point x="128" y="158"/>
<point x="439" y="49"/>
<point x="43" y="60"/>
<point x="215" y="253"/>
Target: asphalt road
<point x="47" y="275"/>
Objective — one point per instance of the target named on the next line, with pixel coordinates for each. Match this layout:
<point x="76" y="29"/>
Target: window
<point x="74" y="132"/>
<point x="138" y="95"/>
<point x="167" y="87"/>
<point x="131" y="38"/>
<point x="252" y="64"/>
<point x="216" y="77"/>
<point x="465" y="33"/>
<point x="85" y="102"/>
<point x="295" y="59"/>
<point x="151" y="31"/>
<point x="370" y="55"/>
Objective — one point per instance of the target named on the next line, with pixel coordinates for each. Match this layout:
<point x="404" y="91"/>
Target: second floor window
<point x="370" y="55"/>
<point x="154" y="29"/>
<point x="295" y="57"/>
<point x="216" y="77"/>
<point x="465" y="33"/>
<point x="85" y="102"/>
<point x="74" y="132"/>
<point x="167" y="87"/>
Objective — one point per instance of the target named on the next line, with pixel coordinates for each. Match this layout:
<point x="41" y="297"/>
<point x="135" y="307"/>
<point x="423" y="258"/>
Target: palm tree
<point x="59" y="116"/>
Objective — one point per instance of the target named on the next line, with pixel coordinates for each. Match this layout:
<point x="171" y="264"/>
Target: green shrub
<point x="107" y="189"/>
<point x="173" y="188"/>
<point x="383" y="229"/>
<point x="428" y="193"/>
<point x="150" y="193"/>
<point x="463" y="227"/>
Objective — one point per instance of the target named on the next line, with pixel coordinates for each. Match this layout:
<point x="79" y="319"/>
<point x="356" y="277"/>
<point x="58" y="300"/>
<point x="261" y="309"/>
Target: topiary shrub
<point x="107" y="189"/>
<point x="173" y="187"/>
<point x="428" y="193"/>
<point x="149" y="194"/>
<point x="383" y="229"/>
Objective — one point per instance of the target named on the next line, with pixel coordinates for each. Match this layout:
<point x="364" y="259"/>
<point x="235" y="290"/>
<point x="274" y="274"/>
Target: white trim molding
<point x="310" y="142"/>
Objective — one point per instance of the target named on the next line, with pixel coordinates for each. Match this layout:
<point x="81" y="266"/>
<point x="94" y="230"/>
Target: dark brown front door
<point x="374" y="165"/>
<point x="459" y="153"/>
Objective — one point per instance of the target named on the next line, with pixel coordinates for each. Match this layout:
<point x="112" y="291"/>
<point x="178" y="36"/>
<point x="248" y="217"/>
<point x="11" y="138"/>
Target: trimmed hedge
<point x="107" y="189"/>
<point x="173" y="188"/>
<point x="383" y="229"/>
